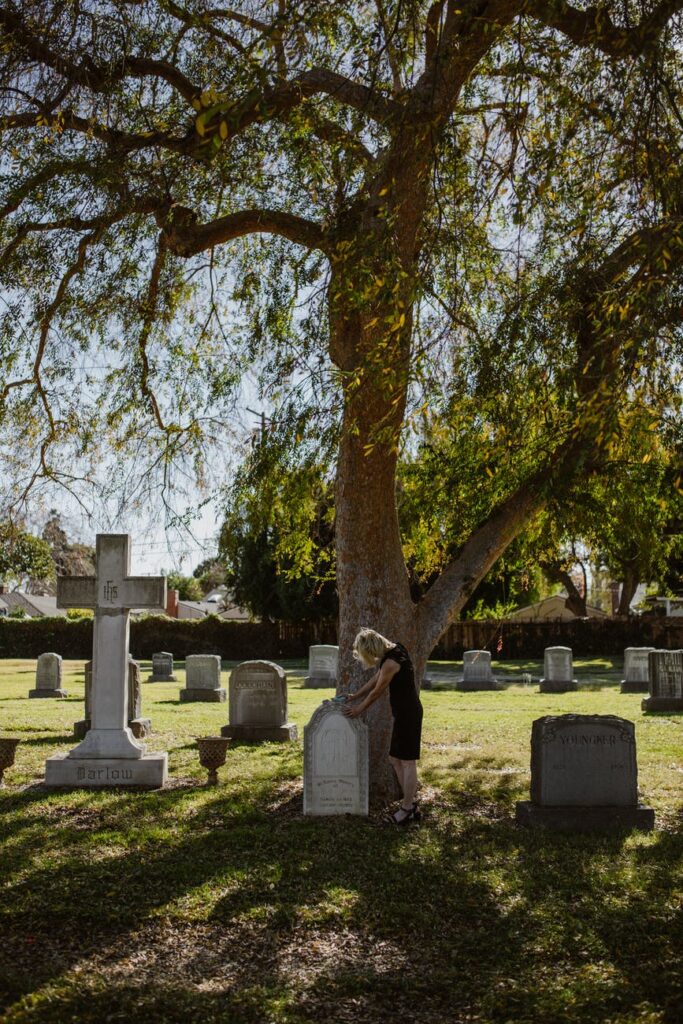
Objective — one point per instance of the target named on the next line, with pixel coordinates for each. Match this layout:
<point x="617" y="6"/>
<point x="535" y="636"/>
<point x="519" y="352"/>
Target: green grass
<point x="225" y="904"/>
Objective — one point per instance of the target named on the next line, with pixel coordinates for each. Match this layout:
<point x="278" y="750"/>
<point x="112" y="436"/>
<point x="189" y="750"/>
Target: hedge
<point x="241" y="641"/>
<point x="586" y="637"/>
<point x="234" y="641"/>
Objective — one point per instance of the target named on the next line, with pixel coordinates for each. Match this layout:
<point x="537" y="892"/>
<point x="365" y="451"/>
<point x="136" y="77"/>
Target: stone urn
<point x="212" y="753"/>
<point x="8" y="749"/>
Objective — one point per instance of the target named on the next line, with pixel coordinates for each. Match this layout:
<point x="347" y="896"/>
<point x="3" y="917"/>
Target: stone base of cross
<point x="110" y="755"/>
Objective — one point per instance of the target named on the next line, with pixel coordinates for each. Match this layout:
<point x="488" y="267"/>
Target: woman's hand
<point x="352" y="712"/>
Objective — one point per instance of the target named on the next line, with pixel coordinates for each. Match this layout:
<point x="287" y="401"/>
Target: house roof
<point x="34" y="605"/>
<point x="553" y="607"/>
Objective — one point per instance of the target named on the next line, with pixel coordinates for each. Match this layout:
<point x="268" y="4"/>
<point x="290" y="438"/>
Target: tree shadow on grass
<point x="337" y="918"/>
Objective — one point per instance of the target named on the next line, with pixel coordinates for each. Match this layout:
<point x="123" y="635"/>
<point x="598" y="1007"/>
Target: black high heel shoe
<point x="410" y="815"/>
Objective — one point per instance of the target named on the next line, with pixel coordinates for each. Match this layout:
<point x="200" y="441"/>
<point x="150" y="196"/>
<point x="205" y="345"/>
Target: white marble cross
<point x="112" y="593"/>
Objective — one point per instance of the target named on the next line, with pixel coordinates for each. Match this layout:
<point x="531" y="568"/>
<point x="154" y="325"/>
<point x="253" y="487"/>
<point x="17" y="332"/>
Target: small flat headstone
<point x="636" y="672"/>
<point x="584" y="775"/>
<point x="48" y="677"/>
<point x="335" y="763"/>
<point x="323" y="666"/>
<point x="202" y="679"/>
<point x="558" y="670"/>
<point x="666" y="681"/>
<point x="258" y="703"/>
<point x="477" y="672"/>
<point x="162" y="668"/>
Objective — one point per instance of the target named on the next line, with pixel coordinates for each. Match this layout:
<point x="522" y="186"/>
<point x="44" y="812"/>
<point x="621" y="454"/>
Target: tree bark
<point x="628" y="589"/>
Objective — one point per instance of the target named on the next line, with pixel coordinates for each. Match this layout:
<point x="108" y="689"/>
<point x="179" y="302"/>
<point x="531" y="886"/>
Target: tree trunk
<point x="628" y="589"/>
<point x="371" y="574"/>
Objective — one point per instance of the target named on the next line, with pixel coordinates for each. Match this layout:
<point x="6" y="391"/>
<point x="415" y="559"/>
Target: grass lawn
<point x="225" y="904"/>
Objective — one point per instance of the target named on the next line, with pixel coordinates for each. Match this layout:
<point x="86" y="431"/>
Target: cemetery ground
<point x="222" y="904"/>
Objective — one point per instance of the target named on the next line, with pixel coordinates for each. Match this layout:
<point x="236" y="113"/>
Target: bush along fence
<point x="233" y="641"/>
<point x="584" y="636"/>
<point x="242" y="641"/>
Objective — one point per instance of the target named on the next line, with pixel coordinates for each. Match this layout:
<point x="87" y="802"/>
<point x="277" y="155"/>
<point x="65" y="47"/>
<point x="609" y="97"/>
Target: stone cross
<point x="111" y="593"/>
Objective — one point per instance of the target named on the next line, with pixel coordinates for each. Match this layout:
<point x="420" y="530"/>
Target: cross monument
<point x="109" y="754"/>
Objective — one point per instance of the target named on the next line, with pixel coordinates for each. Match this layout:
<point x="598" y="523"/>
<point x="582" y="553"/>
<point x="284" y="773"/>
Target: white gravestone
<point x="477" y="674"/>
<point x="335" y="763"/>
<point x="162" y="668"/>
<point x="109" y="754"/>
<point x="584" y="775"/>
<point x="323" y="666"/>
<point x="558" y="670"/>
<point x="636" y="672"/>
<point x="258" y="703"/>
<point x="139" y="726"/>
<point x="202" y="679"/>
<point x="666" y="681"/>
<point x="48" y="677"/>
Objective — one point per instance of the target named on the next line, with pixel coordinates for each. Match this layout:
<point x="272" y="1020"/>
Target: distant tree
<point x="277" y="539"/>
<point x="189" y="588"/>
<point x="70" y="558"/>
<point x="23" y="557"/>
<point x="210" y="573"/>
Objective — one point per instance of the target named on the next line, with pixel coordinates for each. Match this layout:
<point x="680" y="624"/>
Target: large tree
<point x="493" y="183"/>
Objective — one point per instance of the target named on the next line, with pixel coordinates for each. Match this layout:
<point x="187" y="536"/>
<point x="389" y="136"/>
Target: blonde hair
<point x="369" y="645"/>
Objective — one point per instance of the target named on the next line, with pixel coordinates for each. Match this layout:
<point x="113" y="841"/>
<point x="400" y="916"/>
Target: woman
<point x="395" y="671"/>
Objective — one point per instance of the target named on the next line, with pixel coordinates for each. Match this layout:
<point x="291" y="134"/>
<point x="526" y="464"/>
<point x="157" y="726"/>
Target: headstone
<point x="558" y="671"/>
<point x="323" y="666"/>
<point x="258" y="703"/>
<point x="139" y="726"/>
<point x="109" y="754"/>
<point x="477" y="674"/>
<point x="636" y="673"/>
<point x="202" y="679"/>
<point x="48" y="677"/>
<point x="584" y="775"/>
<point x="666" y="681"/>
<point x="335" y="763"/>
<point x="162" y="668"/>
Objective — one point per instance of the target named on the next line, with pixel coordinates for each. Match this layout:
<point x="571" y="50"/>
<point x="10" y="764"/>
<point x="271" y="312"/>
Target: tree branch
<point x="87" y="73"/>
<point x="228" y="117"/>
<point x="594" y="27"/>
<point x="149" y="314"/>
<point x="185" y="237"/>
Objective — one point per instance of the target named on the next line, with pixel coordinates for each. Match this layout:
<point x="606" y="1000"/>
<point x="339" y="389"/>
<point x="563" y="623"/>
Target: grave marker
<point x="48" y="677"/>
<point x="109" y="754"/>
<point x="584" y="775"/>
<point x="558" y="671"/>
<point x="666" y="681"/>
<point x="139" y="726"/>
<point x="323" y="666"/>
<point x="335" y="763"/>
<point x="636" y="672"/>
<point x="162" y="668"/>
<point x="202" y="679"/>
<point x="477" y="673"/>
<point x="258" y="703"/>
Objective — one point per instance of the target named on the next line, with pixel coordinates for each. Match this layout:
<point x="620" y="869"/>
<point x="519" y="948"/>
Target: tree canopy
<point x="23" y="556"/>
<point x="451" y="224"/>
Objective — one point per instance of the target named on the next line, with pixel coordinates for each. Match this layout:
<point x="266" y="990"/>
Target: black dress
<point x="405" y="707"/>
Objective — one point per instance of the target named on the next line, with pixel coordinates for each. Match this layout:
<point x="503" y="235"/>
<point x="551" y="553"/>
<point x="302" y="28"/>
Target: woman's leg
<point x="398" y="768"/>
<point x="409" y="775"/>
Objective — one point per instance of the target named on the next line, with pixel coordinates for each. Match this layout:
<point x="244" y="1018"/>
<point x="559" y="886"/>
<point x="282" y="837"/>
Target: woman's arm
<point x="365" y="688"/>
<point x="381" y="683"/>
